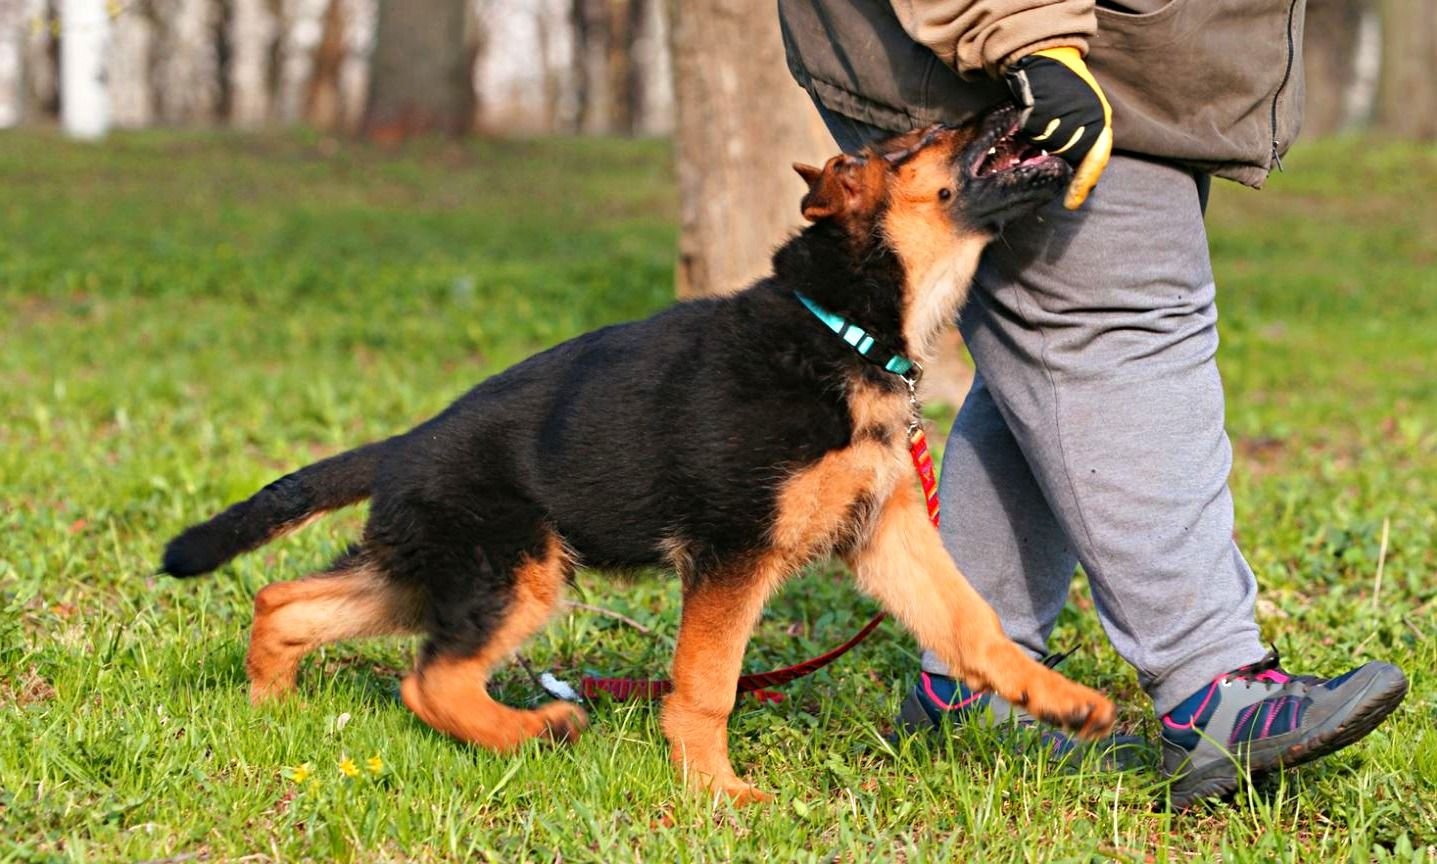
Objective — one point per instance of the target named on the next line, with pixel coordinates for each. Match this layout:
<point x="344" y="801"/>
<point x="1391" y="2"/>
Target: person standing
<point x="1093" y="432"/>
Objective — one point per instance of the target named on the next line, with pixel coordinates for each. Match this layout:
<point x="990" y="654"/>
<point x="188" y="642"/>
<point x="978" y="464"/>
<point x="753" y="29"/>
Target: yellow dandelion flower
<point x="348" y="768"/>
<point x="374" y="764"/>
<point x="301" y="773"/>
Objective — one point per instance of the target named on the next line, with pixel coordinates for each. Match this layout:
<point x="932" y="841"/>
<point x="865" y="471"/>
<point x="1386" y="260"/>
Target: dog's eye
<point x="945" y="194"/>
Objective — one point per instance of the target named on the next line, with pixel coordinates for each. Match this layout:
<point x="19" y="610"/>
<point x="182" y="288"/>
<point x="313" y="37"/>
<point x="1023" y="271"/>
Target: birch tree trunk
<point x="653" y="70"/>
<point x="359" y="18"/>
<point x="188" y="76"/>
<point x="84" y="42"/>
<point x="252" y="33"/>
<point x="12" y="86"/>
<point x="741" y="122"/>
<point x="132" y="93"/>
<point x="421" y="79"/>
<point x="301" y="29"/>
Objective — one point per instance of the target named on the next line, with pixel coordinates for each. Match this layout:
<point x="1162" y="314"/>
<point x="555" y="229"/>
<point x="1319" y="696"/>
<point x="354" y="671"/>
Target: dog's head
<point x="935" y="197"/>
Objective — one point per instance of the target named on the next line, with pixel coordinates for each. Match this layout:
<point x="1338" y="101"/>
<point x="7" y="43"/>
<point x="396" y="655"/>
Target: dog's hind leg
<point x="719" y="614"/>
<point x="906" y="567"/>
<point x="351" y="599"/>
<point x="448" y="691"/>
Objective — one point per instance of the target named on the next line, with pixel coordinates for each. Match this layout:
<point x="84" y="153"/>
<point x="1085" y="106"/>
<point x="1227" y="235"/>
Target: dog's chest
<point x="832" y="502"/>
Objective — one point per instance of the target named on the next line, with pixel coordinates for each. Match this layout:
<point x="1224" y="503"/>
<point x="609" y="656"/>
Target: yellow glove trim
<point x="1048" y="132"/>
<point x="1085" y="177"/>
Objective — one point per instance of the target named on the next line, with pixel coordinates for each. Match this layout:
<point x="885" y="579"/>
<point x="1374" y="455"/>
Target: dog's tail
<point x="286" y="505"/>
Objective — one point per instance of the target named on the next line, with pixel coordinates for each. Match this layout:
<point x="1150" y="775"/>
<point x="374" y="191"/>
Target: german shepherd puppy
<point x="733" y="439"/>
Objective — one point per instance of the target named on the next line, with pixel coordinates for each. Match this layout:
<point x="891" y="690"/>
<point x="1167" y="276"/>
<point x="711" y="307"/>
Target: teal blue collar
<point x="864" y="344"/>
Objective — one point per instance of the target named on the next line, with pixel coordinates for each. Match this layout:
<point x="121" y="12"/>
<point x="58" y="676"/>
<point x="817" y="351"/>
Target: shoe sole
<point x="1220" y="779"/>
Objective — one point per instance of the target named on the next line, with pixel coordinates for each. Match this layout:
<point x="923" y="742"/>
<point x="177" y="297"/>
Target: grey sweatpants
<point x="1093" y="432"/>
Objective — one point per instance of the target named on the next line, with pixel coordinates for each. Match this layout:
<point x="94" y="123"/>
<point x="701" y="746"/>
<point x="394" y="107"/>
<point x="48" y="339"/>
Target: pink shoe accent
<point x="1274" y="676"/>
<point x="938" y="700"/>
<point x="1192" y="722"/>
<point x="1242" y="719"/>
<point x="1272" y="715"/>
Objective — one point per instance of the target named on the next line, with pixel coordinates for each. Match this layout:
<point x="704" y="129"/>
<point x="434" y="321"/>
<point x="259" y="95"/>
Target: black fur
<point x="637" y="441"/>
<point x="287" y="502"/>
<point x="678" y="427"/>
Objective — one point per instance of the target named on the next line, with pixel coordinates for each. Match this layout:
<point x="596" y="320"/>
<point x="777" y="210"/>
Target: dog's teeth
<point x="1044" y="152"/>
<point x="992" y="150"/>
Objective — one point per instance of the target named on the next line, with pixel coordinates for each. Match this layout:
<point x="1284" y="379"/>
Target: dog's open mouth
<point x="999" y="149"/>
<point x="1009" y="153"/>
<point x="1007" y="175"/>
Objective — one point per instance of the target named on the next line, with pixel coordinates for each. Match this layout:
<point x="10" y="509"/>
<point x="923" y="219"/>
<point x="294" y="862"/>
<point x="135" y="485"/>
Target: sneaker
<point x="1258" y="719"/>
<point x="938" y="696"/>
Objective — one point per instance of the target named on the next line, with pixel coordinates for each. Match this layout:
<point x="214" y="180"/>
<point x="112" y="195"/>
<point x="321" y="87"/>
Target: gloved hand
<point x="1067" y="114"/>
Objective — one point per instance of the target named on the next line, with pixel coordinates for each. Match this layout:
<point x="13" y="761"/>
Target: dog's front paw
<point x="562" y="721"/>
<point x="735" y="790"/>
<point x="1054" y="699"/>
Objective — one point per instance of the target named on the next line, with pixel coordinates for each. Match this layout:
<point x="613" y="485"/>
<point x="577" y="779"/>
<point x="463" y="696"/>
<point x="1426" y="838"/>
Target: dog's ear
<point x="809" y="173"/>
<point x="846" y="185"/>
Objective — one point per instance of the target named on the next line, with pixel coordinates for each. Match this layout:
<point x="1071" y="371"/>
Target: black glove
<point x="1066" y="114"/>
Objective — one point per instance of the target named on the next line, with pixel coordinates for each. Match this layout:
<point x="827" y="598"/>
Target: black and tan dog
<point x="733" y="439"/>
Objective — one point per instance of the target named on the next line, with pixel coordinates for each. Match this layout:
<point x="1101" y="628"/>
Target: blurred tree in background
<point x="394" y="68"/>
<point x="420" y="75"/>
<point x="596" y="67"/>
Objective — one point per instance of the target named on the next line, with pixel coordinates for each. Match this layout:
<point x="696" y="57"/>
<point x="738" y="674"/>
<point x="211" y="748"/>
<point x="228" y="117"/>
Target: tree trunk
<point x="653" y="75"/>
<point x="359" y="16"/>
<point x="421" y="77"/>
<point x="300" y="26"/>
<point x="40" y="60"/>
<point x="621" y="67"/>
<point x="12" y="87"/>
<point x="741" y="122"/>
<point x="1407" y="100"/>
<point x="189" y="76"/>
<point x="132" y="55"/>
<point x="1328" y="58"/>
<point x="322" y="108"/>
<point x="253" y="29"/>
<point x="592" y="35"/>
<point x="84" y="43"/>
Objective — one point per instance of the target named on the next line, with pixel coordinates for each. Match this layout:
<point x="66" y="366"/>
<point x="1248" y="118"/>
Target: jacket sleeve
<point x="978" y="37"/>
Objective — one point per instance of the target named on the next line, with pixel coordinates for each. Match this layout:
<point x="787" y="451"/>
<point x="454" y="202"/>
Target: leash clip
<point x="915" y="408"/>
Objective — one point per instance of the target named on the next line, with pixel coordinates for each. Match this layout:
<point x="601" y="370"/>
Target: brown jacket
<point x="1216" y="85"/>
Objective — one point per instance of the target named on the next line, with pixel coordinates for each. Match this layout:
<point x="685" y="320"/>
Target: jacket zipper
<point x="1286" y="75"/>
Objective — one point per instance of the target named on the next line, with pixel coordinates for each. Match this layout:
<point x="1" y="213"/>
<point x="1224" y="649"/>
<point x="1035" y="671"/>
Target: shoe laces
<point x="1268" y="670"/>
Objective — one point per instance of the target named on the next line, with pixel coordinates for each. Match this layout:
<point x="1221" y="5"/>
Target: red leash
<point x="758" y="683"/>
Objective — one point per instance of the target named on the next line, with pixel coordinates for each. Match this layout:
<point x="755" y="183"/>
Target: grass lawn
<point x="185" y="316"/>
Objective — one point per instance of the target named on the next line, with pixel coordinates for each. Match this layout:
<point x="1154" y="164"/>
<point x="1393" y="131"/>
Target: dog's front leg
<point x="905" y="566"/>
<point x="719" y="614"/>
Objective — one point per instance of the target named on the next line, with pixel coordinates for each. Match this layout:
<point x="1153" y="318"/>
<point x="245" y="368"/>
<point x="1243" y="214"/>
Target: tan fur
<point x="815" y="510"/>
<point x="874" y="408"/>
<point x="938" y="261"/>
<point x="907" y="569"/>
<point x="815" y="504"/>
<point x="449" y="693"/>
<point x="718" y="617"/>
<point x="293" y="618"/>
